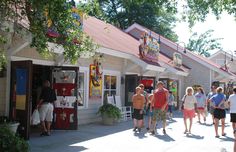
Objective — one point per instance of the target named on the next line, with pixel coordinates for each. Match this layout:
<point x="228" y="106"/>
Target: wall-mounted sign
<point x="95" y="82"/>
<point x="177" y="59"/>
<point x="149" y="47"/>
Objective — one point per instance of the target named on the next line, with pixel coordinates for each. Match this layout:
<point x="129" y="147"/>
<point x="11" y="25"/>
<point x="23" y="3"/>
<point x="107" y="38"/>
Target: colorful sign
<point x="21" y="84"/>
<point x="177" y="59"/>
<point x="149" y="48"/>
<point x="77" y="15"/>
<point x="95" y="82"/>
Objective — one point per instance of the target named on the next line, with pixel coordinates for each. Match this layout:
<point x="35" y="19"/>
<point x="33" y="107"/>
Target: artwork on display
<point x="177" y="59"/>
<point x="149" y="47"/>
<point x="21" y="86"/>
<point x="95" y="82"/>
<point x="64" y="76"/>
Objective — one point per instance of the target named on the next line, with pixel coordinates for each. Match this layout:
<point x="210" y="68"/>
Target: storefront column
<point x="8" y="85"/>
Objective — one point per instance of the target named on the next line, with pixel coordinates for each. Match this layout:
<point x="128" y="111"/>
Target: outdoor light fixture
<point x="183" y="47"/>
<point x="232" y="55"/>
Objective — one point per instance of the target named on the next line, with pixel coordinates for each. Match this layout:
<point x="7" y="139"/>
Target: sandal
<point x="224" y="134"/>
<point x="217" y="136"/>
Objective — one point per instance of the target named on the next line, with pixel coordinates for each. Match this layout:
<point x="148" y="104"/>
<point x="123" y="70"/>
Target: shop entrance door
<point x="20" y="95"/>
<point x="65" y="84"/>
<point x="131" y="82"/>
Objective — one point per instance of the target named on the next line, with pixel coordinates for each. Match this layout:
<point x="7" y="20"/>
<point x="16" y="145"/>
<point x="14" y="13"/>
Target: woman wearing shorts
<point x="189" y="106"/>
<point x="201" y="104"/>
<point x="219" y="113"/>
<point x="232" y="103"/>
<point x="149" y="112"/>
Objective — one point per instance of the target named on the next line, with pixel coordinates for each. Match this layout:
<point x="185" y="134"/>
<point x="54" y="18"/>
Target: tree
<point x="197" y="10"/>
<point x="204" y="43"/>
<point x="40" y="14"/>
<point x="157" y="16"/>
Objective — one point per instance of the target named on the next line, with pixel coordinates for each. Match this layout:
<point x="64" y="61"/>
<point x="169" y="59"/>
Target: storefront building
<point x="203" y="72"/>
<point x="227" y="62"/>
<point x="120" y="64"/>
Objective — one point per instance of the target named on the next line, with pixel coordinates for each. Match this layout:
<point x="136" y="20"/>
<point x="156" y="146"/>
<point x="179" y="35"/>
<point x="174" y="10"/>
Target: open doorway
<point x="40" y="73"/>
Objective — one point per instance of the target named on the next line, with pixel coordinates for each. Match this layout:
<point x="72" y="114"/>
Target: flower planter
<point x="13" y="126"/>
<point x="106" y="120"/>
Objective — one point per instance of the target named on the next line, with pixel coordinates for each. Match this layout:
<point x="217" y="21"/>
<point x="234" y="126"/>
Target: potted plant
<point x="11" y="142"/>
<point x="12" y="125"/>
<point x="110" y="114"/>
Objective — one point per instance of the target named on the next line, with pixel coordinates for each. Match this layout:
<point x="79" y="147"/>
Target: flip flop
<point x="224" y="134"/>
<point x="217" y="136"/>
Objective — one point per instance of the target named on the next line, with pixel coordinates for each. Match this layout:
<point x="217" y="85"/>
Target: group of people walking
<point x="155" y="104"/>
<point x="158" y="106"/>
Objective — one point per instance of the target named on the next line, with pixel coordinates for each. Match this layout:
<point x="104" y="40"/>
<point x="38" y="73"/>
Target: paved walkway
<point x="118" y="138"/>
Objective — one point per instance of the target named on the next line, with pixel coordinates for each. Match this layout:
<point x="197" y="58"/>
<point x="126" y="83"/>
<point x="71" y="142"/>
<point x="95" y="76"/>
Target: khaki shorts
<point x="46" y="112"/>
<point x="158" y="115"/>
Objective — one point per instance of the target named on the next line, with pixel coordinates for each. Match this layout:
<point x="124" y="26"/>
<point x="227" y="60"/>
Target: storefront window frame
<point x="85" y="71"/>
<point x="117" y="74"/>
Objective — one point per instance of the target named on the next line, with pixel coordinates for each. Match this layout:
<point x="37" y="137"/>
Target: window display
<point x="110" y="85"/>
<point x="65" y="86"/>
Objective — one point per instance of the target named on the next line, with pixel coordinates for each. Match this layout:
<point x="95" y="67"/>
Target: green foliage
<point x="10" y="142"/>
<point x="197" y="10"/>
<point x="59" y="12"/>
<point x="3" y="59"/>
<point x="110" y="110"/>
<point x="158" y="16"/>
<point x="204" y="43"/>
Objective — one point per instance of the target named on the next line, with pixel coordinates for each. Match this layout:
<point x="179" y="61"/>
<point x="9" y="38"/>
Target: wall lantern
<point x="184" y="48"/>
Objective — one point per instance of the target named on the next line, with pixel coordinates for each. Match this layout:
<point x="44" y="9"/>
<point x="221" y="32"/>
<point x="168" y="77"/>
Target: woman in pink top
<point x="189" y="106"/>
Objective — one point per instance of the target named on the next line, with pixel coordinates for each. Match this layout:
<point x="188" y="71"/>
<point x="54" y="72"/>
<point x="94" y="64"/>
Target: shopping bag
<point x="35" y="117"/>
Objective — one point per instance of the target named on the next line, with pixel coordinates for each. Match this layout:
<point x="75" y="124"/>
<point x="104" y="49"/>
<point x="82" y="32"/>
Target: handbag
<point x="35" y="119"/>
<point x="182" y="106"/>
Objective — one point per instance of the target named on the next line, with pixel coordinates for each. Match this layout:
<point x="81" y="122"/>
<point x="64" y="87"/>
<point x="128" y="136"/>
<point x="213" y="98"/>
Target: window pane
<point x="107" y="82"/>
<point x="81" y="93"/>
<point x="81" y="81"/>
<point x="113" y="92"/>
<point x="80" y="98"/>
<point x="106" y="93"/>
<point x="113" y="82"/>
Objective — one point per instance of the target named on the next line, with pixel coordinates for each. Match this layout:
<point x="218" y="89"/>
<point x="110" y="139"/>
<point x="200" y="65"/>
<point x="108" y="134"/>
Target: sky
<point x="224" y="28"/>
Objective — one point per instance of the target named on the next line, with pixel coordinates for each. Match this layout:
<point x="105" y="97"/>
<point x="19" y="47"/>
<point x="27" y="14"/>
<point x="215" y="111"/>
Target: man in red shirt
<point x="159" y="106"/>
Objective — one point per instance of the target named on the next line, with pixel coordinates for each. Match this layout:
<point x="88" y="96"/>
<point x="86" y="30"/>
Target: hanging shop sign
<point x="149" y="47"/>
<point x="95" y="82"/>
<point x="177" y="59"/>
<point x="76" y="14"/>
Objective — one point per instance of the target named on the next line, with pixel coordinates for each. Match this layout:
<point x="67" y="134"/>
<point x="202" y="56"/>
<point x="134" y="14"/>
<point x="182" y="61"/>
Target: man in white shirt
<point x="232" y="102"/>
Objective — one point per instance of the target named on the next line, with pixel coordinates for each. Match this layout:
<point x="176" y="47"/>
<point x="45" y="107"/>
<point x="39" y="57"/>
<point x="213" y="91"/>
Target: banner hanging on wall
<point x="95" y="82"/>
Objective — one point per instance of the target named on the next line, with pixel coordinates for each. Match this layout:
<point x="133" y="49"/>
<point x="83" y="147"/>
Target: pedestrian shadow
<point x="140" y="135"/>
<point x="227" y="138"/>
<point x="165" y="137"/>
<point x="208" y="125"/>
<point x="193" y="136"/>
<point x="170" y="121"/>
<point x="76" y="148"/>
